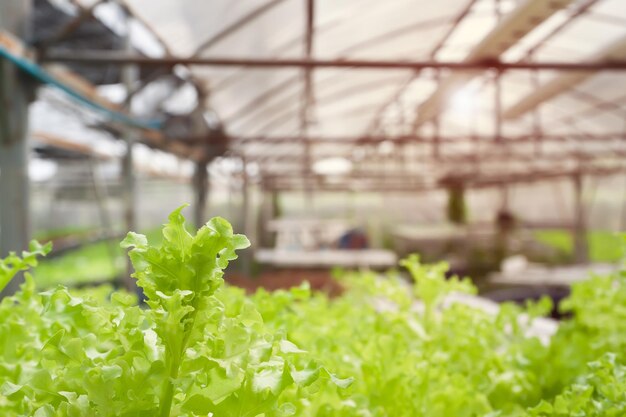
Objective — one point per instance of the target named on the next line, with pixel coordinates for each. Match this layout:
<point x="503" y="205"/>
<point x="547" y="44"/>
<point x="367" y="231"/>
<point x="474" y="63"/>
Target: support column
<point x="201" y="187"/>
<point x="129" y="76"/>
<point x="269" y="210"/>
<point x="436" y="125"/>
<point x="308" y="101"/>
<point x="246" y="256"/>
<point x="15" y="94"/>
<point x="581" y="247"/>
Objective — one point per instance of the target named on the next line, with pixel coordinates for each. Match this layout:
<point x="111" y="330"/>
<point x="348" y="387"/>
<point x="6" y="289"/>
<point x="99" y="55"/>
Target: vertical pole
<point x="15" y="94"/>
<point x="436" y="137"/>
<point x="581" y="248"/>
<point x="537" y="131"/>
<point x="266" y="215"/>
<point x="622" y="226"/>
<point x="307" y="103"/>
<point x="497" y="108"/>
<point x="129" y="78"/>
<point x="504" y="190"/>
<point x="436" y="127"/>
<point x="100" y="195"/>
<point x="245" y="212"/>
<point x="201" y="187"/>
<point x="497" y="114"/>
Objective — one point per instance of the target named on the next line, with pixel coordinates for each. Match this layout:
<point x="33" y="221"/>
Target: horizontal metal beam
<point x="363" y="140"/>
<point x="470" y="181"/>
<point x="504" y="156"/>
<point x="116" y="58"/>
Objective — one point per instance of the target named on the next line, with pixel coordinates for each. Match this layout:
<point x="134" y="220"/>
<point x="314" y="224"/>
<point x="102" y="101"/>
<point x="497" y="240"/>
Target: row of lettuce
<point x="381" y="349"/>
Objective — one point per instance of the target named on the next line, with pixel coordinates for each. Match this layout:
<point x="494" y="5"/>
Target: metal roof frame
<point x="484" y="57"/>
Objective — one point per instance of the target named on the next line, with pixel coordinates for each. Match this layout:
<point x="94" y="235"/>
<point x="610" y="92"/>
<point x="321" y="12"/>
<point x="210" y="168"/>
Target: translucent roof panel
<point x="579" y="40"/>
<point x="375" y="28"/>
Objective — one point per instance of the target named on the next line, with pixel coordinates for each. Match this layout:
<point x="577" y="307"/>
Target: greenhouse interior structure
<point x="316" y="208"/>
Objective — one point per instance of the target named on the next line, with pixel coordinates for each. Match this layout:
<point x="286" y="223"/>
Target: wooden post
<point x="581" y="247"/>
<point x="15" y="94"/>
<point x="201" y="187"/>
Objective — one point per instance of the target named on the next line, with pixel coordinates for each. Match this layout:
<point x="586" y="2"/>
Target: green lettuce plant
<point x="65" y="353"/>
<point x="202" y="348"/>
<point x="13" y="264"/>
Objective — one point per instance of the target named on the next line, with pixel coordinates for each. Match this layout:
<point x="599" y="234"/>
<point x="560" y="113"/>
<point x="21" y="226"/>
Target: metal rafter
<point x="582" y="9"/>
<point x="564" y="82"/>
<point x="240" y="74"/>
<point x="387" y="36"/>
<point x="591" y="111"/>
<point x="375" y="124"/>
<point x="114" y="58"/>
<point x="515" y="25"/>
<point x="614" y="108"/>
<point x="136" y="16"/>
<point x="308" y="65"/>
<point x="73" y="25"/>
<point x="328" y="97"/>
<point x="236" y="26"/>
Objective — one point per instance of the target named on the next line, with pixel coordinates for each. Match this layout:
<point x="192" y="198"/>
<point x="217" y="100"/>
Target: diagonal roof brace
<point x="514" y="26"/>
<point x="565" y="82"/>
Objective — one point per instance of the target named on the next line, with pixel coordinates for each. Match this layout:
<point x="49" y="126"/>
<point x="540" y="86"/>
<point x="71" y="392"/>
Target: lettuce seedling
<point x="13" y="264"/>
<point x="177" y="279"/>
<point x="192" y="353"/>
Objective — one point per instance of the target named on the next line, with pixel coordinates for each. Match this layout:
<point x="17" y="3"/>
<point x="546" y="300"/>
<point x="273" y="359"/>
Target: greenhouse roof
<point x="405" y="94"/>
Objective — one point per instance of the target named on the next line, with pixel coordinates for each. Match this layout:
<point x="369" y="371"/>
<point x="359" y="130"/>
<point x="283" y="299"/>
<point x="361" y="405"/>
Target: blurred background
<point x="490" y="134"/>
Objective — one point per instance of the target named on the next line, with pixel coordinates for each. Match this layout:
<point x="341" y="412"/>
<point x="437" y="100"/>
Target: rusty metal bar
<point x="492" y="157"/>
<point x="408" y="185"/>
<point x="115" y="58"/>
<point x="375" y="139"/>
<point x="307" y="101"/>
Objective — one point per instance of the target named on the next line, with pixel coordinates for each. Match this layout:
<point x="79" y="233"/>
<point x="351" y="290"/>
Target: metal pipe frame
<point x="475" y="183"/>
<point x="116" y="58"/>
<point x="376" y="139"/>
<point x="375" y="123"/>
<point x="499" y="158"/>
<point x="232" y="79"/>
